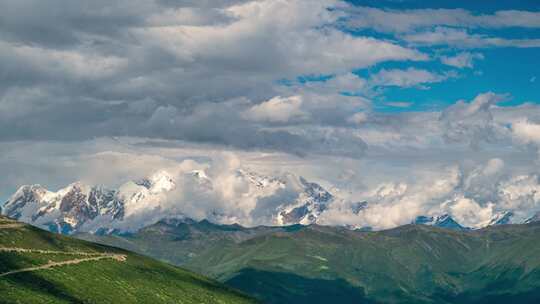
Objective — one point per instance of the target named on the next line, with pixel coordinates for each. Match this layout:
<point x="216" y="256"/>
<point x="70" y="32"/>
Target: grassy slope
<point x="408" y="264"/>
<point x="137" y="280"/>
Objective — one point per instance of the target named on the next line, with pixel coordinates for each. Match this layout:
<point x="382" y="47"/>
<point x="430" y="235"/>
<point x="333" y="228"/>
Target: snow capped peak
<point x="312" y="200"/>
<point x="443" y="221"/>
<point x="260" y="181"/>
<point x="64" y="210"/>
<point x="36" y="190"/>
<point x="77" y="186"/>
<point x="533" y="219"/>
<point x="502" y="218"/>
<point x="25" y="196"/>
<point x="161" y="181"/>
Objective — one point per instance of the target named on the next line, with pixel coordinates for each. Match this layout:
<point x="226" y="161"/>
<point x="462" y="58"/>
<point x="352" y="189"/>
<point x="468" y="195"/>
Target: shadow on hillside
<point x="279" y="287"/>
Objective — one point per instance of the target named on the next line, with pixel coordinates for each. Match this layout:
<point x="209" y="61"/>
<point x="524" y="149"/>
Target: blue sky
<point x="480" y="6"/>
<point x="504" y="70"/>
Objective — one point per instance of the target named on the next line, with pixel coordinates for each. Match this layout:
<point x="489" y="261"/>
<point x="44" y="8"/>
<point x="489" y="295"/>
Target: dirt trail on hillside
<point x="91" y="257"/>
<point x="42" y="251"/>
<point x="14" y="225"/>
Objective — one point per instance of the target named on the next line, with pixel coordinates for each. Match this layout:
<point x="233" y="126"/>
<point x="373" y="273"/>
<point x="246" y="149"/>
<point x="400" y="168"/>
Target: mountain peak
<point x="443" y="221"/>
<point x="161" y="181"/>
<point x="501" y="218"/>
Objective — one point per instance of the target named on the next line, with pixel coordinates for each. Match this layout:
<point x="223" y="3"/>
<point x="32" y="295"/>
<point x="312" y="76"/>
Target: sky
<point x="419" y="107"/>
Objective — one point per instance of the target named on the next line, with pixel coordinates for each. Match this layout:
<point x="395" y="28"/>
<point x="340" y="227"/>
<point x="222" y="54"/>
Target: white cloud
<point x="357" y="118"/>
<point x="472" y="122"/>
<point x="412" y="19"/>
<point x="471" y="214"/>
<point x="461" y="38"/>
<point x="462" y="60"/>
<point x="410" y="77"/>
<point x="277" y="109"/>
<point x="526" y="131"/>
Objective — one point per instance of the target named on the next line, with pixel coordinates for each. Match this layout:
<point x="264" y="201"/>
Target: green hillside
<point x="315" y="264"/>
<point x="41" y="267"/>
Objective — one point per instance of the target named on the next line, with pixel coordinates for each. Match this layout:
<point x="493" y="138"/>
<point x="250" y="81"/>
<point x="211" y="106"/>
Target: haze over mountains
<point x="272" y="200"/>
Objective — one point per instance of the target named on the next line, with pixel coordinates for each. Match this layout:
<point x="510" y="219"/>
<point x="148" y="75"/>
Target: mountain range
<point x="88" y="208"/>
<point x="286" y="199"/>
<point x="414" y="263"/>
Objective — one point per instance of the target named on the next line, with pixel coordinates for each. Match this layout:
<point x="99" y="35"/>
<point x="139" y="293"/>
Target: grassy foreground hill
<point x="40" y="267"/>
<point x="315" y="264"/>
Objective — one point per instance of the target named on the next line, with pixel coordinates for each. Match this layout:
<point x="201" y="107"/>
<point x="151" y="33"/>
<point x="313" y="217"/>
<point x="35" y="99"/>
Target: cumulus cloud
<point x="472" y="122"/>
<point x="526" y="131"/>
<point x="473" y="197"/>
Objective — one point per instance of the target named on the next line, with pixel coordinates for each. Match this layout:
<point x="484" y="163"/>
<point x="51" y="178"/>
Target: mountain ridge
<point x="413" y="263"/>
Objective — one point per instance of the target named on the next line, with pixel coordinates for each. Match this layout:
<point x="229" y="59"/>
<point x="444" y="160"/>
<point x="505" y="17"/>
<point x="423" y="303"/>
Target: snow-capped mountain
<point x="533" y="219"/>
<point x="65" y="210"/>
<point x="81" y="207"/>
<point x="311" y="202"/>
<point x="443" y="221"/>
<point x="502" y="218"/>
<point x="87" y="208"/>
<point x="244" y="197"/>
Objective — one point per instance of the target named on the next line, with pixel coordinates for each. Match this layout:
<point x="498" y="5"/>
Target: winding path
<point x="11" y="225"/>
<point x="90" y="257"/>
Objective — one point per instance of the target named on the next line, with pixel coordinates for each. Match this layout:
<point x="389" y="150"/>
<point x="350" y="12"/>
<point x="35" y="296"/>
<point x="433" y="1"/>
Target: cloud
<point x="410" y="77"/>
<point x="461" y="38"/>
<point x="136" y="68"/>
<point x="472" y="122"/>
<point x="277" y="109"/>
<point x="471" y="214"/>
<point x="413" y="19"/>
<point x="526" y="131"/>
<point x="462" y="60"/>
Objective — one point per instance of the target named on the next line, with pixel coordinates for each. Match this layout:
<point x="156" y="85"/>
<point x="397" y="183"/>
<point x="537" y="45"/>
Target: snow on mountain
<point x="443" y="221"/>
<point x="311" y="202"/>
<point x="245" y="197"/>
<point x="65" y="210"/>
<point x="533" y="219"/>
<point x="502" y="218"/>
<point x="81" y="207"/>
